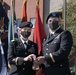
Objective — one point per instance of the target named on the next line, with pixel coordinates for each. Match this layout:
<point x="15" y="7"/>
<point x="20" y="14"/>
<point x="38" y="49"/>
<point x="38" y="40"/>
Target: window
<point x="32" y="20"/>
<point x="18" y="21"/>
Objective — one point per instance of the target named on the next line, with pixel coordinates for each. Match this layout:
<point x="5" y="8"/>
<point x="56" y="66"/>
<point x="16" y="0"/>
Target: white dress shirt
<point x="24" y="42"/>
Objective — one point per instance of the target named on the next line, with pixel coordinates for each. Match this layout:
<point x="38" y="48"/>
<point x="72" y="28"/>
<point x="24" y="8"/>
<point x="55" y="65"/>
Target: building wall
<point x="46" y="12"/>
<point x="46" y="6"/>
<point x="31" y="8"/>
<point x="56" y="5"/>
<point x="51" y="6"/>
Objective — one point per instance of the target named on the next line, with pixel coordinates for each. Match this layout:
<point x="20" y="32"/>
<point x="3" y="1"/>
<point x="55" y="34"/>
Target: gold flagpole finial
<point x="37" y="3"/>
<point x="25" y="1"/>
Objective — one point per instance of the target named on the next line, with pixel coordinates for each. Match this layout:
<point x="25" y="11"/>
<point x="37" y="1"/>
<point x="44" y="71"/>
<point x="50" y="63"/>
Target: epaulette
<point x="12" y="40"/>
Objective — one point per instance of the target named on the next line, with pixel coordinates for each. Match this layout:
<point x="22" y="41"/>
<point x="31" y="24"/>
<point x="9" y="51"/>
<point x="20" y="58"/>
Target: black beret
<point x="53" y="14"/>
<point x="26" y="24"/>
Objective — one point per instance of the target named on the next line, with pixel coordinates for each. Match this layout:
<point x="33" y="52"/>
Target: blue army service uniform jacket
<point x="17" y="49"/>
<point x="56" y="49"/>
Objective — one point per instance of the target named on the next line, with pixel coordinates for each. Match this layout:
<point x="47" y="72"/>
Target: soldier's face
<point x="53" y="23"/>
<point x="26" y="29"/>
<point x="51" y="19"/>
<point x="25" y="32"/>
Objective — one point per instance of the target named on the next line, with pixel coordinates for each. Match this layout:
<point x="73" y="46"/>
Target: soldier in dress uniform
<point x="20" y="52"/>
<point x="55" y="48"/>
<point x="4" y="26"/>
<point x="3" y="52"/>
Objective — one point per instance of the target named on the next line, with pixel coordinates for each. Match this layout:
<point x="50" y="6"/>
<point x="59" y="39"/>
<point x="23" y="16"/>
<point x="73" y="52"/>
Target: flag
<point x="10" y="32"/>
<point x="39" y="33"/>
<point x="15" y="29"/>
<point x="12" y="28"/>
<point x="24" y="13"/>
<point x="39" y="72"/>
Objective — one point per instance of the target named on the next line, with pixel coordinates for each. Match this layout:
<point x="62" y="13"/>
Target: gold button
<point x="54" y="42"/>
<point x="46" y="48"/>
<point x="25" y="53"/>
<point x="60" y="65"/>
<point x="46" y="53"/>
<point x="23" y="68"/>
<point x="24" y="63"/>
<point x="47" y="44"/>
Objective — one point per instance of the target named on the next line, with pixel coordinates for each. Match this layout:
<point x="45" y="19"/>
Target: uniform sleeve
<point x="36" y="50"/>
<point x="12" y="59"/>
<point x="64" y="50"/>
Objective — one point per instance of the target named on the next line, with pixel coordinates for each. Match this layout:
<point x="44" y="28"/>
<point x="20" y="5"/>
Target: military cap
<point x="26" y="24"/>
<point x="53" y="14"/>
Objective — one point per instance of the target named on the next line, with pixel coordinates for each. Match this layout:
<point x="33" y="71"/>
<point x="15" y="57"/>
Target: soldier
<point x="4" y="26"/>
<point x="20" y="52"/>
<point x="55" y="48"/>
<point x="3" y="54"/>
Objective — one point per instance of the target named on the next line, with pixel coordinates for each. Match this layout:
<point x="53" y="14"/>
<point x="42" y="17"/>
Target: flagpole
<point x="64" y="14"/>
<point x="13" y="8"/>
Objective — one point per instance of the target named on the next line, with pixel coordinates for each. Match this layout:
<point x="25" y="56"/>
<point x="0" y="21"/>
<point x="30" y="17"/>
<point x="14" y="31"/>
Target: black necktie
<point x="25" y="45"/>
